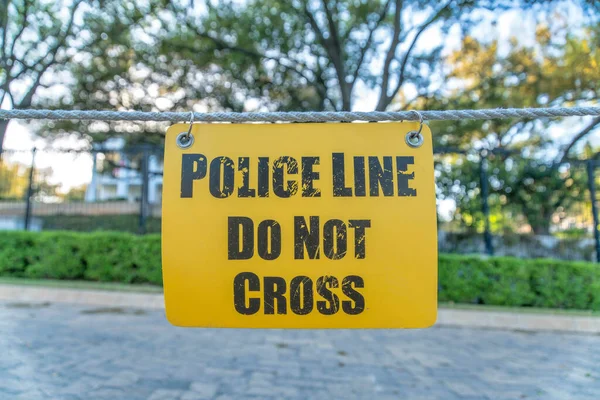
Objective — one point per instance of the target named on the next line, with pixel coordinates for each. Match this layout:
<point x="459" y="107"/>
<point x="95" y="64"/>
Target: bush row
<point x="124" y="257"/>
<point x="508" y="281"/>
<point x="100" y="256"/>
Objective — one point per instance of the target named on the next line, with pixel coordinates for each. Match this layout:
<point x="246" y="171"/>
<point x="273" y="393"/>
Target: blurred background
<point x="506" y="187"/>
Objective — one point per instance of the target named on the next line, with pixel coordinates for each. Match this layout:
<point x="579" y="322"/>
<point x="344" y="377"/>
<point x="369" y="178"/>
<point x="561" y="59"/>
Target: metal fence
<point x="101" y="189"/>
<point x="519" y="206"/>
<point x="120" y="189"/>
<point x="591" y="166"/>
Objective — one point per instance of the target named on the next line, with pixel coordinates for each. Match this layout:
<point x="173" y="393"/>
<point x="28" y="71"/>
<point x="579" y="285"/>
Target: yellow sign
<point x="299" y="226"/>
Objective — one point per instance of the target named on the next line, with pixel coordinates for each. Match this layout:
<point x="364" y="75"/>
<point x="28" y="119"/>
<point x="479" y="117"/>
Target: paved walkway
<point x="478" y="318"/>
<point x="51" y="351"/>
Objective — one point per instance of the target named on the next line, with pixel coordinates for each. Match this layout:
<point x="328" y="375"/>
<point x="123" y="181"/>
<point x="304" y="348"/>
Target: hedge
<point x="100" y="256"/>
<point x="509" y="281"/>
<point x="124" y="257"/>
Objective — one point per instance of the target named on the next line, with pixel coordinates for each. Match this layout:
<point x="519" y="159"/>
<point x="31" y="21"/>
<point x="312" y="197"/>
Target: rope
<point x="322" y="116"/>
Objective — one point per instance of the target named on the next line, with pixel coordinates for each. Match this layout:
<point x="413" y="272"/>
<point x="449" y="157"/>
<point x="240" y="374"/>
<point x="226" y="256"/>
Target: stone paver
<point x="51" y="351"/>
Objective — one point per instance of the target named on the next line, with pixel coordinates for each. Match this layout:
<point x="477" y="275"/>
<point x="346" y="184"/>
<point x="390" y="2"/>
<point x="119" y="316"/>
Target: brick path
<point x="51" y="351"/>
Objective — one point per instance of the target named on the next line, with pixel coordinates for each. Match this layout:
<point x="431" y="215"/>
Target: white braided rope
<point x="321" y="116"/>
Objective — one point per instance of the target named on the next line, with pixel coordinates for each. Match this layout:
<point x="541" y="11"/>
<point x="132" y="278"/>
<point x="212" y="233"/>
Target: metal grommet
<point x="186" y="139"/>
<point x="415" y="138"/>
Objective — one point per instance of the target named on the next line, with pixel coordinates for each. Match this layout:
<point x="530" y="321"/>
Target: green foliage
<point x="538" y="189"/>
<point x="106" y="256"/>
<point x="56" y="256"/>
<point x="13" y="180"/>
<point x="76" y="194"/>
<point x="558" y="69"/>
<point x="506" y="281"/>
<point x="276" y="55"/>
<point x="573" y="233"/>
<point x="521" y="190"/>
<point x="38" y="39"/>
<point x="127" y="258"/>
<point x="528" y="176"/>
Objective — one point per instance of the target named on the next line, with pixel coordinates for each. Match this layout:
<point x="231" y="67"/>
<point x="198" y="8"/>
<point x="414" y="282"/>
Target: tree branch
<point x="590" y="127"/>
<point x="389" y="57"/>
<point x="60" y="42"/>
<point x="4" y="21"/>
<point x="314" y="25"/>
<point x="404" y="63"/>
<point x="221" y="44"/>
<point x="3" y="94"/>
<point x="28" y="98"/>
<point x="365" y="48"/>
<point x="504" y="139"/>
<point x="421" y="29"/>
<point x="333" y="29"/>
<point x="408" y="103"/>
<point x="26" y="5"/>
<point x="562" y="196"/>
<point x="334" y="49"/>
<point x="320" y="81"/>
<point x="12" y="100"/>
<point x="6" y="89"/>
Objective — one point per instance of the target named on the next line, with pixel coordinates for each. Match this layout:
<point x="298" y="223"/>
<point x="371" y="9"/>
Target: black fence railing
<point x="102" y="189"/>
<point x="591" y="166"/>
<point x="120" y="189"/>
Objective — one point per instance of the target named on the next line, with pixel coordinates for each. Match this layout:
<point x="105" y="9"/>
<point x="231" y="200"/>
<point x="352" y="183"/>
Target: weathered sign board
<point x="299" y="226"/>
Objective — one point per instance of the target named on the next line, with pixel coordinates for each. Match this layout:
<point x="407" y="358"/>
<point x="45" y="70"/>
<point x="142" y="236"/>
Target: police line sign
<point x="299" y="226"/>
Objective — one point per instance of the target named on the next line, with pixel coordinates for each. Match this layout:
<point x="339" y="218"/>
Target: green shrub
<point x="18" y="250"/>
<point x="109" y="257"/>
<point x="56" y="256"/>
<point x="98" y="256"/>
<point x="124" y="257"/>
<point x="147" y="258"/>
<point x="508" y="281"/>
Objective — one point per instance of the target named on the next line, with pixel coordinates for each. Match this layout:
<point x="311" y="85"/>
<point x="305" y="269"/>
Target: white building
<point x="123" y="183"/>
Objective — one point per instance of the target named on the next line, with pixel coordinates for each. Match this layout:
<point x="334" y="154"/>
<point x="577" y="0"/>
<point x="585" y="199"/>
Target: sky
<point x="73" y="170"/>
<point x="69" y="169"/>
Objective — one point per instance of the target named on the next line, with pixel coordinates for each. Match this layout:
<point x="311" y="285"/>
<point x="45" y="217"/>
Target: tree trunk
<point x="346" y="102"/>
<point x="541" y="229"/>
<point x="540" y="224"/>
<point x="3" y="128"/>
<point x="346" y="94"/>
<point x="383" y="103"/>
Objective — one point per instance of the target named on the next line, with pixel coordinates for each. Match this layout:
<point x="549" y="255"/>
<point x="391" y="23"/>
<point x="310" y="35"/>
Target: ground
<point x="51" y="351"/>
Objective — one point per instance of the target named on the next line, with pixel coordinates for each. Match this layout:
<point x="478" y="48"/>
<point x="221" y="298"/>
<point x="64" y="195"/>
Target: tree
<point x="75" y="194"/>
<point x="540" y="189"/>
<point x="43" y="188"/>
<point x="37" y="39"/>
<point x="560" y="69"/>
<point x="273" y="55"/>
<point x="528" y="175"/>
<point x="49" y="44"/>
<point x="522" y="191"/>
<point x="13" y="180"/>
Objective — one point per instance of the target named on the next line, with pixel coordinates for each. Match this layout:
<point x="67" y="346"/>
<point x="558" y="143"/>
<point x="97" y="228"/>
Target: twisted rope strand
<point x="321" y="116"/>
